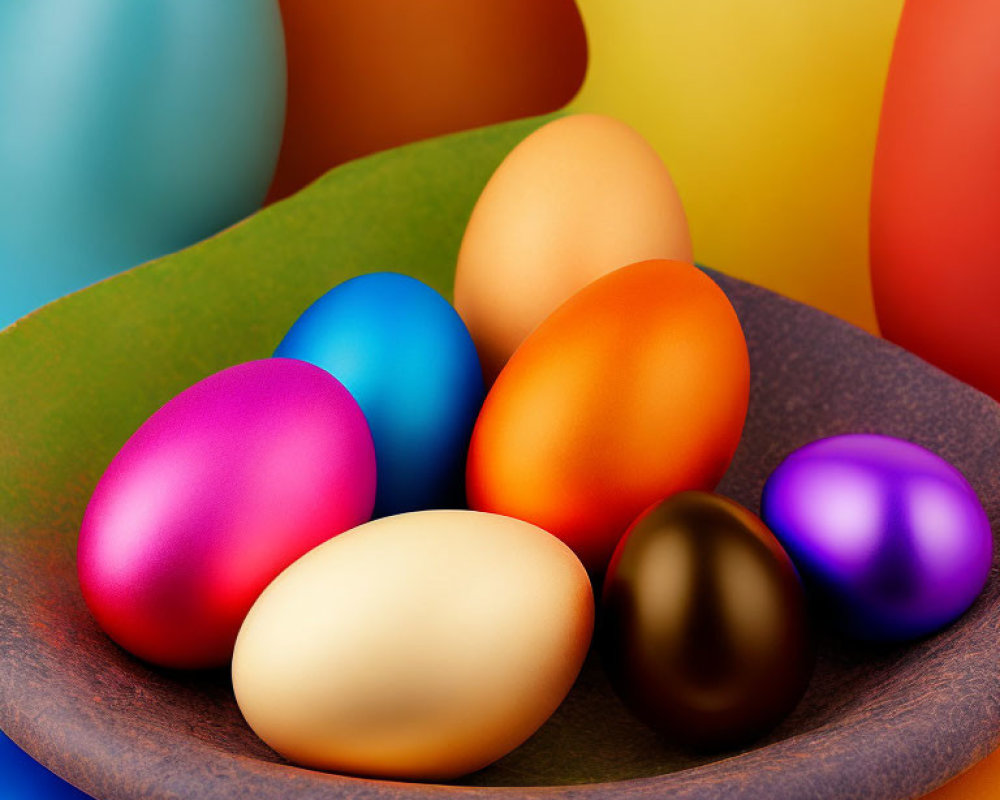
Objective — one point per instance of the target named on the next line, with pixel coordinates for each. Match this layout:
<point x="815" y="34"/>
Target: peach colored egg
<point x="580" y="197"/>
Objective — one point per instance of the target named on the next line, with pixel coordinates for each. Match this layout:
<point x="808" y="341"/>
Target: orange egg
<point x="632" y="390"/>
<point x="366" y="76"/>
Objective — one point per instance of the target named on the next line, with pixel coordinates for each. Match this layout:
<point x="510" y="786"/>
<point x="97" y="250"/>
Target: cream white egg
<point x="421" y="646"/>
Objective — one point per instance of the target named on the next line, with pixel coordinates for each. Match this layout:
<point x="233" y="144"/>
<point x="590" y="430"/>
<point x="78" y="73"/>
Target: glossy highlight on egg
<point x="214" y="495"/>
<point x="636" y="388"/>
<point x="405" y="355"/>
<point x="704" y="627"/>
<point x="890" y="538"/>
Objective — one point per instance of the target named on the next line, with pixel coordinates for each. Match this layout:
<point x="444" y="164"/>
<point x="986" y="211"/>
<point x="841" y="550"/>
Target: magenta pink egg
<point x="212" y="497"/>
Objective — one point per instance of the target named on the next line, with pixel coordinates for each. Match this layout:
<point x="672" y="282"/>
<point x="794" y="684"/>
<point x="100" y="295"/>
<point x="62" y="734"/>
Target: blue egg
<point x="406" y="356"/>
<point x="23" y="778"/>
<point x="129" y="130"/>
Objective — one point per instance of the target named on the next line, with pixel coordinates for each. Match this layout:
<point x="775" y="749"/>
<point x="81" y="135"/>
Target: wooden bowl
<point x="80" y="375"/>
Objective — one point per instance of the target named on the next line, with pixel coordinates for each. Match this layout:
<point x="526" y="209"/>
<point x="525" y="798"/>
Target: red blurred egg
<point x="935" y="238"/>
<point x="634" y="389"/>
<point x="212" y="497"/>
<point x="366" y="76"/>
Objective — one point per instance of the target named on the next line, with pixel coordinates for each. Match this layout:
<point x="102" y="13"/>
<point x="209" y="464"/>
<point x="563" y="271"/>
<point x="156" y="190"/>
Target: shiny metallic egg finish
<point x="215" y="494"/>
<point x="407" y="358"/>
<point x="890" y="538"/>
<point x="704" y="628"/>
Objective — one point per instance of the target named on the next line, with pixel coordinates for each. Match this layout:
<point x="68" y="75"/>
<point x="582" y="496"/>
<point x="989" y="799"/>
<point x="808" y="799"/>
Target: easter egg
<point x="767" y="114"/>
<point x="890" y="538"/>
<point x="704" y="629"/>
<point x="407" y="358"/>
<point x="214" y="495"/>
<point x="578" y="198"/>
<point x="130" y="130"/>
<point x="634" y="389"/>
<point x="373" y="75"/>
<point x="26" y="779"/>
<point x="420" y="647"/>
<point x="935" y="244"/>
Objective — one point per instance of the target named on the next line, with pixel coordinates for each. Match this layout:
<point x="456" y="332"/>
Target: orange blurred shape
<point x="982" y="782"/>
<point x="366" y="75"/>
<point x="634" y="389"/>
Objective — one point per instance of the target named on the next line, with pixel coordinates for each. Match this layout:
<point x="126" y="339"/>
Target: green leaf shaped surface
<point x="81" y="374"/>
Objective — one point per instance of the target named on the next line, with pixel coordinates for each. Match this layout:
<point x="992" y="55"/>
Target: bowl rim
<point x="825" y="762"/>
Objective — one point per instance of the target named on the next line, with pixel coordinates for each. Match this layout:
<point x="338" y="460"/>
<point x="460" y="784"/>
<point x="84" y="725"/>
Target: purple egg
<point x="212" y="497"/>
<point x="889" y="537"/>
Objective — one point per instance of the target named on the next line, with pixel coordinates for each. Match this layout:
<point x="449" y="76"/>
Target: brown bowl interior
<point x="876" y="722"/>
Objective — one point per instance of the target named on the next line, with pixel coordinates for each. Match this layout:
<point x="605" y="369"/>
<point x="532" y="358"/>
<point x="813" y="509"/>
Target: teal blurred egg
<point x="129" y="130"/>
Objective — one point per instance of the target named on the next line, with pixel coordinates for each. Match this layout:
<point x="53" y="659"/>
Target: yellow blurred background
<point x="766" y="114"/>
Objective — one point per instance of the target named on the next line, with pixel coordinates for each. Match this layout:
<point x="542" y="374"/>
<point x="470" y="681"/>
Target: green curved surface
<point x="113" y="353"/>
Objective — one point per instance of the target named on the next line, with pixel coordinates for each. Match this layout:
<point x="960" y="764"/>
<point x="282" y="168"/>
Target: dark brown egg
<point x="704" y="627"/>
